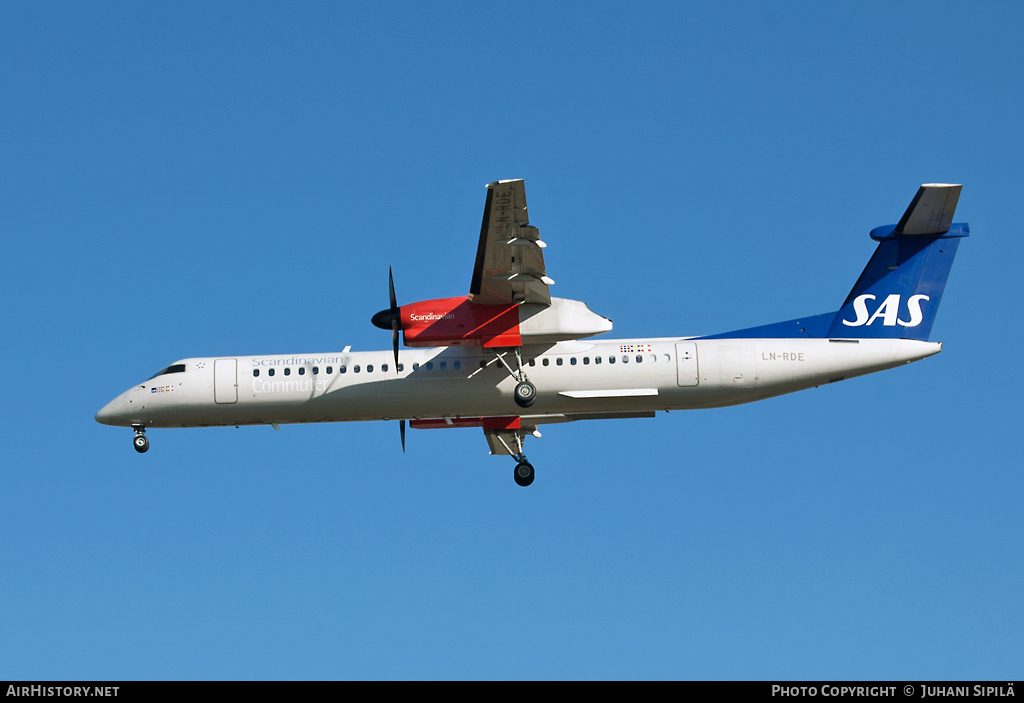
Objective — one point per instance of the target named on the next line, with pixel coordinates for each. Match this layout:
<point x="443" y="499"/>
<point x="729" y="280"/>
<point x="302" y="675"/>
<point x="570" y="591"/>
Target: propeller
<point x="391" y="318"/>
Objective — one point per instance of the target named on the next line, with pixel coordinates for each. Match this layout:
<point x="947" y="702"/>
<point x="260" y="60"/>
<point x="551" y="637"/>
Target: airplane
<point x="509" y="358"/>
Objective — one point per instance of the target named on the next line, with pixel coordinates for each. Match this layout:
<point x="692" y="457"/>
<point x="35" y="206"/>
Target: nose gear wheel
<point x="140" y="441"/>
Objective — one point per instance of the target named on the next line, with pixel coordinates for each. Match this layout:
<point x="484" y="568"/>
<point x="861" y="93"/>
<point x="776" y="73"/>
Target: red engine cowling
<point x="457" y="322"/>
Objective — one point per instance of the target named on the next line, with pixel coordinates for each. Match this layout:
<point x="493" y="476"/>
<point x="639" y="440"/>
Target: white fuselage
<point x="592" y="378"/>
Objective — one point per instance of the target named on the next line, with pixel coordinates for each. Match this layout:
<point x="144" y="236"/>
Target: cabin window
<point x="342" y="369"/>
<point x="287" y="371"/>
<point x="302" y="370"/>
<point x="572" y="361"/>
<point x="369" y="368"/>
<point x="355" y="369"/>
<point x="533" y="362"/>
<point x="586" y="360"/>
<point x="639" y="358"/>
<point x="384" y="368"/>
<point x="270" y="372"/>
<point x="329" y="370"/>
<point x="458" y="365"/>
<point x="597" y="360"/>
<point x="255" y="372"/>
<point x="611" y="359"/>
<point x="401" y="367"/>
<point x="315" y="371"/>
<point x="430" y="366"/>
<point x="625" y="359"/>
<point x="444" y="365"/>
<point x="546" y="361"/>
<point x="558" y="361"/>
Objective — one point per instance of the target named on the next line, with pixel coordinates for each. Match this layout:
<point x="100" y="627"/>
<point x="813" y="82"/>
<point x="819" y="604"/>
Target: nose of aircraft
<point x="112" y="412"/>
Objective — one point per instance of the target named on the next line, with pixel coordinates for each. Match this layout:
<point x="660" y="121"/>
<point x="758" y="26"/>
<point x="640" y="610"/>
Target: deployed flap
<point x="504" y="442"/>
<point x="510" y="256"/>
<point x="506" y="438"/>
<point x="931" y="210"/>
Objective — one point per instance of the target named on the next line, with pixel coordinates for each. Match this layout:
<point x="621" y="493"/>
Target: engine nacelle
<point x="458" y="322"/>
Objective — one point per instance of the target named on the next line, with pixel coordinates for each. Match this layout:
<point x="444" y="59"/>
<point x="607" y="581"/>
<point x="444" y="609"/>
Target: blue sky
<point x="236" y="178"/>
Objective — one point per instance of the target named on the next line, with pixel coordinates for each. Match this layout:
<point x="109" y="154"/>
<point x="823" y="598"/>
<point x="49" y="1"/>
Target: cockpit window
<point x="173" y="368"/>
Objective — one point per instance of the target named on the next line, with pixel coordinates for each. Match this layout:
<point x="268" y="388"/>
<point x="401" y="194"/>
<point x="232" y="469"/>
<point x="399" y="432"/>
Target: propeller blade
<point x="394" y="340"/>
<point x="401" y="432"/>
<point x="391" y="289"/>
<point x="394" y="327"/>
<point x="392" y="316"/>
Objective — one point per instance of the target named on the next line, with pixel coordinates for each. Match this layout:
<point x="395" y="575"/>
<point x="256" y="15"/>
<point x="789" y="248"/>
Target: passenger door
<point x="686" y="364"/>
<point x="225" y="380"/>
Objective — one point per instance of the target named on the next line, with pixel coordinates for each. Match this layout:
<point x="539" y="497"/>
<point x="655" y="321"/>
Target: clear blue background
<point x="201" y="179"/>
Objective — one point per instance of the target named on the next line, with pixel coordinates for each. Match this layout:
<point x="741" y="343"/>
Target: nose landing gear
<point x="141" y="442"/>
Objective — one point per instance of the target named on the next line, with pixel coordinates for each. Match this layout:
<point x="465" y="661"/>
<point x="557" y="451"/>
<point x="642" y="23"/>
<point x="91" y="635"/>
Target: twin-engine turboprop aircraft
<point x="509" y="358"/>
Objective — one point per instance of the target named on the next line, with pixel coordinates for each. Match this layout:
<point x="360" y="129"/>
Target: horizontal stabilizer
<point x="931" y="210"/>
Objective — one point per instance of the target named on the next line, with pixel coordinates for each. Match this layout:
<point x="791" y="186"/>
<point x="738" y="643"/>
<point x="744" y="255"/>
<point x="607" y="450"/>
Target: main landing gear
<point x="524" y="471"/>
<point x="525" y="392"/>
<point x="511" y="441"/>
<point x="500" y="440"/>
<point x="141" y="442"/>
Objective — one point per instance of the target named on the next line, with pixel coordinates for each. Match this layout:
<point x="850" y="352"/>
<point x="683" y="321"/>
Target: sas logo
<point x="888" y="311"/>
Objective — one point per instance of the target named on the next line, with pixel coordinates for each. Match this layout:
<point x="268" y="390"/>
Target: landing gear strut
<point x="526" y="392"/>
<point x="141" y="442"/>
<point x="524" y="469"/>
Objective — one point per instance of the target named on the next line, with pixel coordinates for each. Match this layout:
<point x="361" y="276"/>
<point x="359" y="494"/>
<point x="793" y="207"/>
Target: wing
<point x="510" y="256"/>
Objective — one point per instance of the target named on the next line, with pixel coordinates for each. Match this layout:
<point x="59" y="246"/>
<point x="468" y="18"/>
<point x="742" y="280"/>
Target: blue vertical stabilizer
<point x="898" y="293"/>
